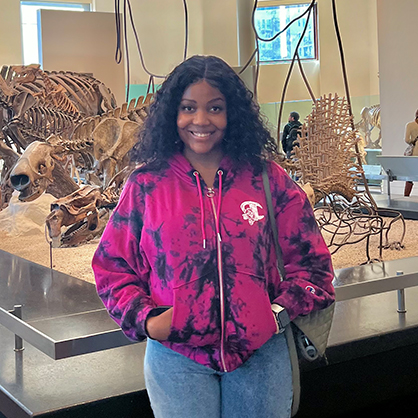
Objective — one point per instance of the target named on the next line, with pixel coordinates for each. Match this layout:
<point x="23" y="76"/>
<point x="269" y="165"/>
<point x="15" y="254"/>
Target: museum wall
<point x="357" y="21"/>
<point x="10" y="34"/>
<point x="213" y="30"/>
<point x="398" y="32"/>
<point x="84" y="50"/>
<point x="160" y="27"/>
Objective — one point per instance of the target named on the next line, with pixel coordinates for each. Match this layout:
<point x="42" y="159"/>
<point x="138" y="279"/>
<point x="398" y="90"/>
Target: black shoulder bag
<point x="307" y="336"/>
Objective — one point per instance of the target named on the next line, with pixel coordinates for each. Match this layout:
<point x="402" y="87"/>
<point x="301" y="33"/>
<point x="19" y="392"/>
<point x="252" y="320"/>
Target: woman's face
<point x="201" y="119"/>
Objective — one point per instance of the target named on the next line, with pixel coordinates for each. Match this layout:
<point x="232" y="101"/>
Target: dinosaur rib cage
<point x="81" y="87"/>
<point x="80" y="93"/>
<point x="42" y="122"/>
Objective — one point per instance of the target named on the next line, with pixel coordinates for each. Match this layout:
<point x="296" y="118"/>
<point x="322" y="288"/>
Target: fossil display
<point x="62" y="133"/>
<point x="35" y="104"/>
<point x="98" y="152"/>
<point x="370" y="119"/>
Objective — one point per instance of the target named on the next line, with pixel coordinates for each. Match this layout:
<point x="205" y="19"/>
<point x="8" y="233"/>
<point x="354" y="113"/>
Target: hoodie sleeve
<point x="121" y="269"/>
<point x="307" y="260"/>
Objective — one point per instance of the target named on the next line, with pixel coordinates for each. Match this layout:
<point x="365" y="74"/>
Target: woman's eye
<point x="185" y="108"/>
<point x="216" y="109"/>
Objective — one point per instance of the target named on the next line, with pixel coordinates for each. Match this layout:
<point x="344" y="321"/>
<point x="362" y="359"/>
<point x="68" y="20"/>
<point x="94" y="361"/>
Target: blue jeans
<point x="181" y="388"/>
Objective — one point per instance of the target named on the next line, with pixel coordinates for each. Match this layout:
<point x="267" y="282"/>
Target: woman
<point x="187" y="258"/>
<point x="411" y="136"/>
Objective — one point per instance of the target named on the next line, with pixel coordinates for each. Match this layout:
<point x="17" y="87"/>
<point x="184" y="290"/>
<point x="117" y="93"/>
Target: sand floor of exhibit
<point x="22" y="232"/>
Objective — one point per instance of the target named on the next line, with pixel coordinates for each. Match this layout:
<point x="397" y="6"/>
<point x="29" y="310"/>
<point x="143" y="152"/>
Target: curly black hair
<point x="246" y="137"/>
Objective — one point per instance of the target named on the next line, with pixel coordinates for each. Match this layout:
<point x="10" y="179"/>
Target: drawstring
<point x="218" y="212"/>
<point x="202" y="209"/>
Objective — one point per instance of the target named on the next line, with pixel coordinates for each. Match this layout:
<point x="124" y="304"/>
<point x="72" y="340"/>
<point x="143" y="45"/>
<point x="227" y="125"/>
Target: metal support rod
<point x="401" y="301"/>
<point x="17" y="311"/>
<point x="401" y="296"/>
<point x="389" y="173"/>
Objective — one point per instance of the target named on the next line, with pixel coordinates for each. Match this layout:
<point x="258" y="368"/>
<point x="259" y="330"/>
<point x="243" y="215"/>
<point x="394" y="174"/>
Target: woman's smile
<point x="201" y="134"/>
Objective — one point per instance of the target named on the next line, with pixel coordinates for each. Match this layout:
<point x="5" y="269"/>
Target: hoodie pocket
<point x="196" y="312"/>
<point x="250" y="322"/>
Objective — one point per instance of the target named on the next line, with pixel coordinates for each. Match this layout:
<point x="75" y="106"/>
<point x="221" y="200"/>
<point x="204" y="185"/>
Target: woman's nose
<point x="201" y="118"/>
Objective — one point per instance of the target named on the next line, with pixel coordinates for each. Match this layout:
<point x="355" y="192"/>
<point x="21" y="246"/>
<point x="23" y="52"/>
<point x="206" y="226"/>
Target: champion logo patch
<point x="310" y="289"/>
<point x="250" y="211"/>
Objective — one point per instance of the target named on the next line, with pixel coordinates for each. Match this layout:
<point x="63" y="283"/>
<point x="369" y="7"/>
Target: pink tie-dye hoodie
<point x="209" y="253"/>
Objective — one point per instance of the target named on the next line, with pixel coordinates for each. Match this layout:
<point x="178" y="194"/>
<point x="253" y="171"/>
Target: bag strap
<point x="277" y="248"/>
<point x="294" y="361"/>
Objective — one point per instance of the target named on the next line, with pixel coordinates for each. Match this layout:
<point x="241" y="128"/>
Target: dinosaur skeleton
<point x="104" y="142"/>
<point x="108" y="138"/>
<point x="89" y="95"/>
<point x="36" y="104"/>
<point x="81" y="205"/>
<point x="325" y="157"/>
<point x="52" y="95"/>
<point x="370" y="119"/>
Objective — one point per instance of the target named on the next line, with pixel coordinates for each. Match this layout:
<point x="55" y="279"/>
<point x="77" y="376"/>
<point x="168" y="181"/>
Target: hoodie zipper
<point x="210" y="194"/>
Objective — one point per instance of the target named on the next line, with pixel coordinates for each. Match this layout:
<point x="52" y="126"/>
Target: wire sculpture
<point x="325" y="156"/>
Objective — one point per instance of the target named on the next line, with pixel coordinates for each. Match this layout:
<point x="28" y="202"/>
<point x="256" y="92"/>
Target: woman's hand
<point x="158" y="327"/>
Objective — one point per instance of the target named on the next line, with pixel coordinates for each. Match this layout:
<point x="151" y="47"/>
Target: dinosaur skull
<point x="25" y="73"/>
<point x="79" y="233"/>
<point x="32" y="173"/>
<point x="80" y="206"/>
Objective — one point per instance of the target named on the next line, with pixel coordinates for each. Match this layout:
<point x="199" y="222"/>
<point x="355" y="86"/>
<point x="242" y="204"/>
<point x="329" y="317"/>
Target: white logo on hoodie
<point x="250" y="210"/>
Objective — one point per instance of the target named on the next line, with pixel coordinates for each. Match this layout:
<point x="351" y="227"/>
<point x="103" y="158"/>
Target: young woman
<point x="187" y="259"/>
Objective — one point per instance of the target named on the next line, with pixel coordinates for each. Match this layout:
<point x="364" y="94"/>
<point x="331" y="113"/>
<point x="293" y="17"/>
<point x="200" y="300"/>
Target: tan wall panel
<point x="272" y="78"/>
<point x="220" y="29"/>
<point x="82" y="42"/>
<point x="359" y="39"/>
<point x="373" y="49"/>
<point x="10" y="33"/>
<point x="160" y="28"/>
<point x="398" y="31"/>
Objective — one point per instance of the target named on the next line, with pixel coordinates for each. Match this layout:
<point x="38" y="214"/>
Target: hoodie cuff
<point x="154" y="312"/>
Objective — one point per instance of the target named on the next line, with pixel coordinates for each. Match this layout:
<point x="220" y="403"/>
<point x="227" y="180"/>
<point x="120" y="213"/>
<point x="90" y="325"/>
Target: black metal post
<point x="17" y="312"/>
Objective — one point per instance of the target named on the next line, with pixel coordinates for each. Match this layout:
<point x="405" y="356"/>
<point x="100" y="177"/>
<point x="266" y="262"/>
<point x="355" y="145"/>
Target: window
<point x="269" y="20"/>
<point x="30" y="18"/>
